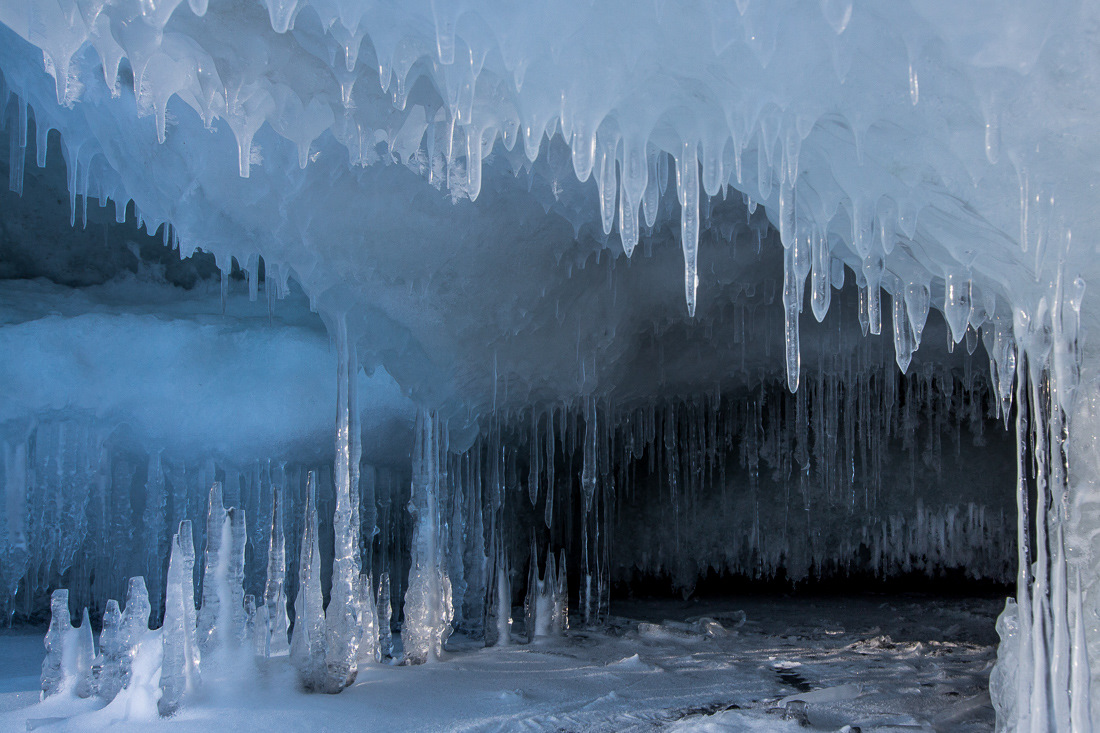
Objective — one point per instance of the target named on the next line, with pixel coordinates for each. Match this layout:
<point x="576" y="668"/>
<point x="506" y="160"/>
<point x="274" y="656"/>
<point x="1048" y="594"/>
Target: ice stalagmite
<point x="428" y="607"/>
<point x="385" y="618"/>
<point x="307" y="644"/>
<point x="498" y="604"/>
<point x="211" y="600"/>
<point x="135" y="624"/>
<point x="237" y="617"/>
<point x="538" y="607"/>
<point x="368" y="612"/>
<point x="54" y="667"/>
<point x="342" y="615"/>
<point x="83" y="655"/>
<point x="107" y="666"/>
<point x="179" y="674"/>
<point x="275" y="590"/>
<point x="560" y="622"/>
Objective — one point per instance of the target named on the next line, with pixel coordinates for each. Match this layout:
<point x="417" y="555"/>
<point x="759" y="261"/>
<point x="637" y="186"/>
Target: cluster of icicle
<point x="311" y="82"/>
<point x="1043" y="680"/>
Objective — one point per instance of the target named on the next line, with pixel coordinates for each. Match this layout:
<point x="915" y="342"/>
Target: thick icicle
<point x="687" y="189"/>
<point x="790" y="318"/>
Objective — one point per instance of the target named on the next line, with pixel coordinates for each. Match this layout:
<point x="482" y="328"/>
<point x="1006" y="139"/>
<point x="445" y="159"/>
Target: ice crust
<point x="422" y="172"/>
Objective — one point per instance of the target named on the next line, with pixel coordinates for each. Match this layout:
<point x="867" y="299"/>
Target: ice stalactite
<point x="342" y="617"/>
<point x="276" y="634"/>
<point x="307" y="644"/>
<point x="429" y="608"/>
<point x="153" y="523"/>
<point x="179" y="676"/>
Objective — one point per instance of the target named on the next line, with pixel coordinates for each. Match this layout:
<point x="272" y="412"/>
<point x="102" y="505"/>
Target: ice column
<point x="211" y="600"/>
<point x="307" y="645"/>
<point x="179" y="674"/>
<point x="342" y="615"/>
<point x="275" y="590"/>
<point x="428" y="607"/>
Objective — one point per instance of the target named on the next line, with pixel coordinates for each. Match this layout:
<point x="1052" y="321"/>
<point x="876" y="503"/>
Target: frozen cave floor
<point x="874" y="663"/>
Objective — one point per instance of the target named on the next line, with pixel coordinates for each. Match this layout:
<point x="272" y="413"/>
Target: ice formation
<point x="475" y="197"/>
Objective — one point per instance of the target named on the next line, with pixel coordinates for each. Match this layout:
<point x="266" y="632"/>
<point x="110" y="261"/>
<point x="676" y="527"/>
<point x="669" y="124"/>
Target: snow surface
<point x="877" y="662"/>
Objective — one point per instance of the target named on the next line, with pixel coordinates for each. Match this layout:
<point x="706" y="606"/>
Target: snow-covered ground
<point x="876" y="663"/>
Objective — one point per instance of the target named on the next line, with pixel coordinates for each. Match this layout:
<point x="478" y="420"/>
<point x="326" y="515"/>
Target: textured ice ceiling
<point x="511" y="203"/>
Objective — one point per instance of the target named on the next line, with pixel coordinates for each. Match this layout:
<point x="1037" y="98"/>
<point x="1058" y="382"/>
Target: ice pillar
<point x="428" y="608"/>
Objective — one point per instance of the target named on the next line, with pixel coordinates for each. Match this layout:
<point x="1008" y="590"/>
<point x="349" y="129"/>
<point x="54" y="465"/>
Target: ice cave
<point x="574" y="365"/>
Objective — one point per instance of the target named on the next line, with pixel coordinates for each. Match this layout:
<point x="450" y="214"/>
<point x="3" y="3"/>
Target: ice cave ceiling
<point x="417" y="169"/>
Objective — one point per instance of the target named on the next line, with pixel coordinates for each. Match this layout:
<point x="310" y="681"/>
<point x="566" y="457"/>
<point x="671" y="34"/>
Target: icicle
<point x="153" y="522"/>
<point x="820" y="285"/>
<point x="687" y="190"/>
<point x="652" y="196"/>
<point x="957" y="304"/>
<point x="903" y="335"/>
<point x="790" y="318"/>
<point x="533" y="459"/>
<point x="1080" y="692"/>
